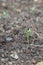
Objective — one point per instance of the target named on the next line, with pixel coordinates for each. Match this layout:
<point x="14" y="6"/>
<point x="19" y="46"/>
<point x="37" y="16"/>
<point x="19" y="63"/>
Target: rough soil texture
<point x="20" y="18"/>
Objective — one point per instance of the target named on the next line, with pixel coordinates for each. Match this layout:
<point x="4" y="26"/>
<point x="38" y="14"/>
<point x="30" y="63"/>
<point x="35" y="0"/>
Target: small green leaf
<point x="28" y="36"/>
<point x="32" y="10"/>
<point x="28" y="30"/>
<point x="5" y="14"/>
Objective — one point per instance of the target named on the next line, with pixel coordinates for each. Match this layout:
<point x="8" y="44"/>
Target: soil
<point x="20" y="17"/>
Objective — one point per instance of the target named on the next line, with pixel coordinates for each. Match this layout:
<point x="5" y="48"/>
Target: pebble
<point x="22" y="61"/>
<point x="2" y="55"/>
<point x="15" y="56"/>
<point x="35" y="0"/>
<point x="4" y="59"/>
<point x="10" y="63"/>
<point x="33" y="61"/>
<point x="18" y="10"/>
<point x="9" y="39"/>
<point x="3" y="4"/>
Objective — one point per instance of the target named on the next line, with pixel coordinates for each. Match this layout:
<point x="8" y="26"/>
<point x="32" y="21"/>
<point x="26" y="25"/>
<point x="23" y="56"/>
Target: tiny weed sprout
<point x="28" y="36"/>
<point x="32" y="10"/>
<point x="5" y="14"/>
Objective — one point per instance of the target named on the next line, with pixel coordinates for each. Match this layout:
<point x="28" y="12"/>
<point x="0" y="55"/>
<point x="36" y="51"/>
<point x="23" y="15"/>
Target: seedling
<point x="5" y="14"/>
<point x="28" y="36"/>
<point x="32" y="10"/>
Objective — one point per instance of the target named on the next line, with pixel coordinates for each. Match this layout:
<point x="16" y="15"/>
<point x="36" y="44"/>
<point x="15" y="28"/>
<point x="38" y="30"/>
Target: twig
<point x="40" y="37"/>
<point x="32" y="45"/>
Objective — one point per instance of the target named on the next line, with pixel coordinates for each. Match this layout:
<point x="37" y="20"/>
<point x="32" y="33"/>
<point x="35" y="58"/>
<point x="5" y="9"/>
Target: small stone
<point x="4" y="59"/>
<point x="2" y="55"/>
<point x="15" y="56"/>
<point x="18" y="10"/>
<point x="6" y="64"/>
<point x="3" y="4"/>
<point x="22" y="61"/>
<point x="33" y="61"/>
<point x="12" y="55"/>
<point x="10" y="63"/>
<point x="35" y="0"/>
<point x="9" y="39"/>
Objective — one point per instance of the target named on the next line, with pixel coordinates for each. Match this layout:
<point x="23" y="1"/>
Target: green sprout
<point x="28" y="36"/>
<point x="5" y="14"/>
<point x="32" y="10"/>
